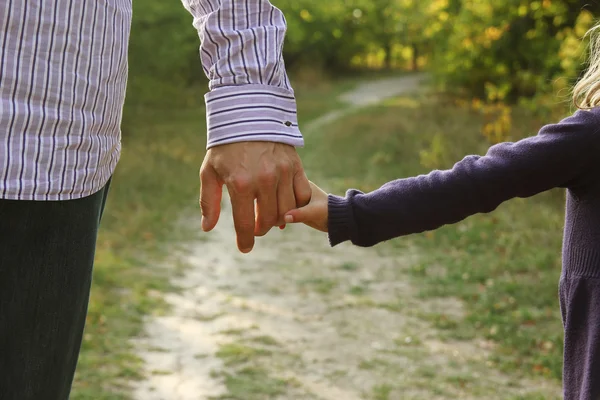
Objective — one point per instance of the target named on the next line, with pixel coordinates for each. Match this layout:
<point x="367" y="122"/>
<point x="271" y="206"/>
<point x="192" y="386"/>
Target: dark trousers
<point x="46" y="257"/>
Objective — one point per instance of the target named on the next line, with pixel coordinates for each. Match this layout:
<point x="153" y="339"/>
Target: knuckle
<point x="285" y="167"/>
<point x="204" y="205"/>
<point x="245" y="226"/>
<point x="203" y="173"/>
<point x="267" y="176"/>
<point x="240" y="183"/>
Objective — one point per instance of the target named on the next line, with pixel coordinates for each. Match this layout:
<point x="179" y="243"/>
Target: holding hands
<point x="266" y="172"/>
<point x="315" y="213"/>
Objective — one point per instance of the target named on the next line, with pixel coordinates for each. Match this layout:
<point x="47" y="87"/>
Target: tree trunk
<point x="388" y="54"/>
<point x="415" y="57"/>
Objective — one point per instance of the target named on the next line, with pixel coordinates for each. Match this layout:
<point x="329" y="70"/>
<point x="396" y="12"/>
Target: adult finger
<point x="286" y="199"/>
<point x="266" y="211"/>
<point x="302" y="189"/>
<point x="242" y="205"/>
<point x="211" y="193"/>
<point x="267" y="180"/>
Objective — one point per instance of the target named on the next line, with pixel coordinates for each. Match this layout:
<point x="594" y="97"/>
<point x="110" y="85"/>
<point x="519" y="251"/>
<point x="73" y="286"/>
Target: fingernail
<point x="282" y="227"/>
<point x="289" y="219"/>
<point x="246" y="251"/>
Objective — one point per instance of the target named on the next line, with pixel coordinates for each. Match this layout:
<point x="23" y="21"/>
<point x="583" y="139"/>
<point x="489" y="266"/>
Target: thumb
<point x="211" y="193"/>
<point x="301" y="215"/>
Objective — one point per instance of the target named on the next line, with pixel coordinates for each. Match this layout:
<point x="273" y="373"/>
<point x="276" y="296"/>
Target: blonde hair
<point x="586" y="93"/>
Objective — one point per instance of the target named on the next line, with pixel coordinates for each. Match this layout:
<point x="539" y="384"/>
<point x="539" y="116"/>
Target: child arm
<point x="557" y="157"/>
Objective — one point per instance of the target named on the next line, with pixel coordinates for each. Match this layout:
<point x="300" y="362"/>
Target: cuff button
<point x="288" y="123"/>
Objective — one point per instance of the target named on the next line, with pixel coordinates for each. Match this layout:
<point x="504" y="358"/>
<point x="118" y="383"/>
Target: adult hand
<point x="270" y="173"/>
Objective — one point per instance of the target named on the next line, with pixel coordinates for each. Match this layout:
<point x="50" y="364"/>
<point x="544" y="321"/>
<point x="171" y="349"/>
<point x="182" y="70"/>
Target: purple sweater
<point x="563" y="155"/>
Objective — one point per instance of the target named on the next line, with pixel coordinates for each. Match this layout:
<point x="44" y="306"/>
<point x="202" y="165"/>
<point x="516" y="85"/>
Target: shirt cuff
<point x="341" y="224"/>
<point x="252" y="112"/>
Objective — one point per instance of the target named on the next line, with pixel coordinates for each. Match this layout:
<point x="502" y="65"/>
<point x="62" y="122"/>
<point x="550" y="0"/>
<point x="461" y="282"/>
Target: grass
<point x="382" y="392"/>
<point x="504" y="265"/>
<point x="236" y="353"/>
<point x="319" y="285"/>
<point x="490" y="261"/>
<point x="252" y="384"/>
<point x="246" y="376"/>
<point x="137" y="226"/>
<point x="155" y="183"/>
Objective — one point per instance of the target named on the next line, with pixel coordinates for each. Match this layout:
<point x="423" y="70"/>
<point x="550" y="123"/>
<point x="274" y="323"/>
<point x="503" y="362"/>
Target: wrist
<point x="340" y="220"/>
<point x="250" y="113"/>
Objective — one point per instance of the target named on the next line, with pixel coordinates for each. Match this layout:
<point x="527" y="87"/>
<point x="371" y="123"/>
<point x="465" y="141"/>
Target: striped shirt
<point x="63" y="74"/>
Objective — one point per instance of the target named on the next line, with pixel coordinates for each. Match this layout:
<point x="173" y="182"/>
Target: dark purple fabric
<point x="563" y="155"/>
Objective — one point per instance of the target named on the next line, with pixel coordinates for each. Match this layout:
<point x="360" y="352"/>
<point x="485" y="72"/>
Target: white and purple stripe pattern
<point x="251" y="98"/>
<point x="63" y="74"/>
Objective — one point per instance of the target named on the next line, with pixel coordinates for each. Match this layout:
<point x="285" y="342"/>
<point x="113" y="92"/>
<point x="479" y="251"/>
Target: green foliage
<point x="497" y="50"/>
<point x="163" y="56"/>
<point x="322" y="33"/>
<point x="501" y="50"/>
<point x="504" y="265"/>
<point x="348" y="34"/>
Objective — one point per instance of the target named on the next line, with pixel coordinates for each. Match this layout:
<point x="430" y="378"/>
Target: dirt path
<point x="298" y="320"/>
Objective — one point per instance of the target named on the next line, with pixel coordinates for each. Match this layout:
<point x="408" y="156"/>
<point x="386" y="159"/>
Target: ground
<point x="298" y="320"/>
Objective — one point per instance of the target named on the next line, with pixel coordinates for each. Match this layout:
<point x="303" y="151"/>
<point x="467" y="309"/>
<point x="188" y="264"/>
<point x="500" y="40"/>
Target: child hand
<point x="314" y="214"/>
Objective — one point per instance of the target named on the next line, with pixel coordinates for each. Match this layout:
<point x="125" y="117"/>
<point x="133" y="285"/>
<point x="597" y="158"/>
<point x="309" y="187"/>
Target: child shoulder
<point x="586" y="123"/>
<point x="593" y="114"/>
<point x="589" y="118"/>
<point x="580" y="132"/>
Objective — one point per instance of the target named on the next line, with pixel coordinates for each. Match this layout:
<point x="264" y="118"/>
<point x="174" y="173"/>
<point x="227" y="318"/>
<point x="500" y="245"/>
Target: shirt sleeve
<point x="250" y="97"/>
<point x="561" y="155"/>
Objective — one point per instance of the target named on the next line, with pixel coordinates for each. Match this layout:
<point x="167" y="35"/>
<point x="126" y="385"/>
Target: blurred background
<point x="493" y="50"/>
<point x="496" y="70"/>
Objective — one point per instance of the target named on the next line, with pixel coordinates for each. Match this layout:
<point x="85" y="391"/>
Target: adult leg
<point x="46" y="258"/>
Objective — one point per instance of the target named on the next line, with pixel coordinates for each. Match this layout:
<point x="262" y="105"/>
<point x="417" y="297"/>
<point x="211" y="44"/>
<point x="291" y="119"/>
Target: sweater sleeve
<point x="557" y="157"/>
